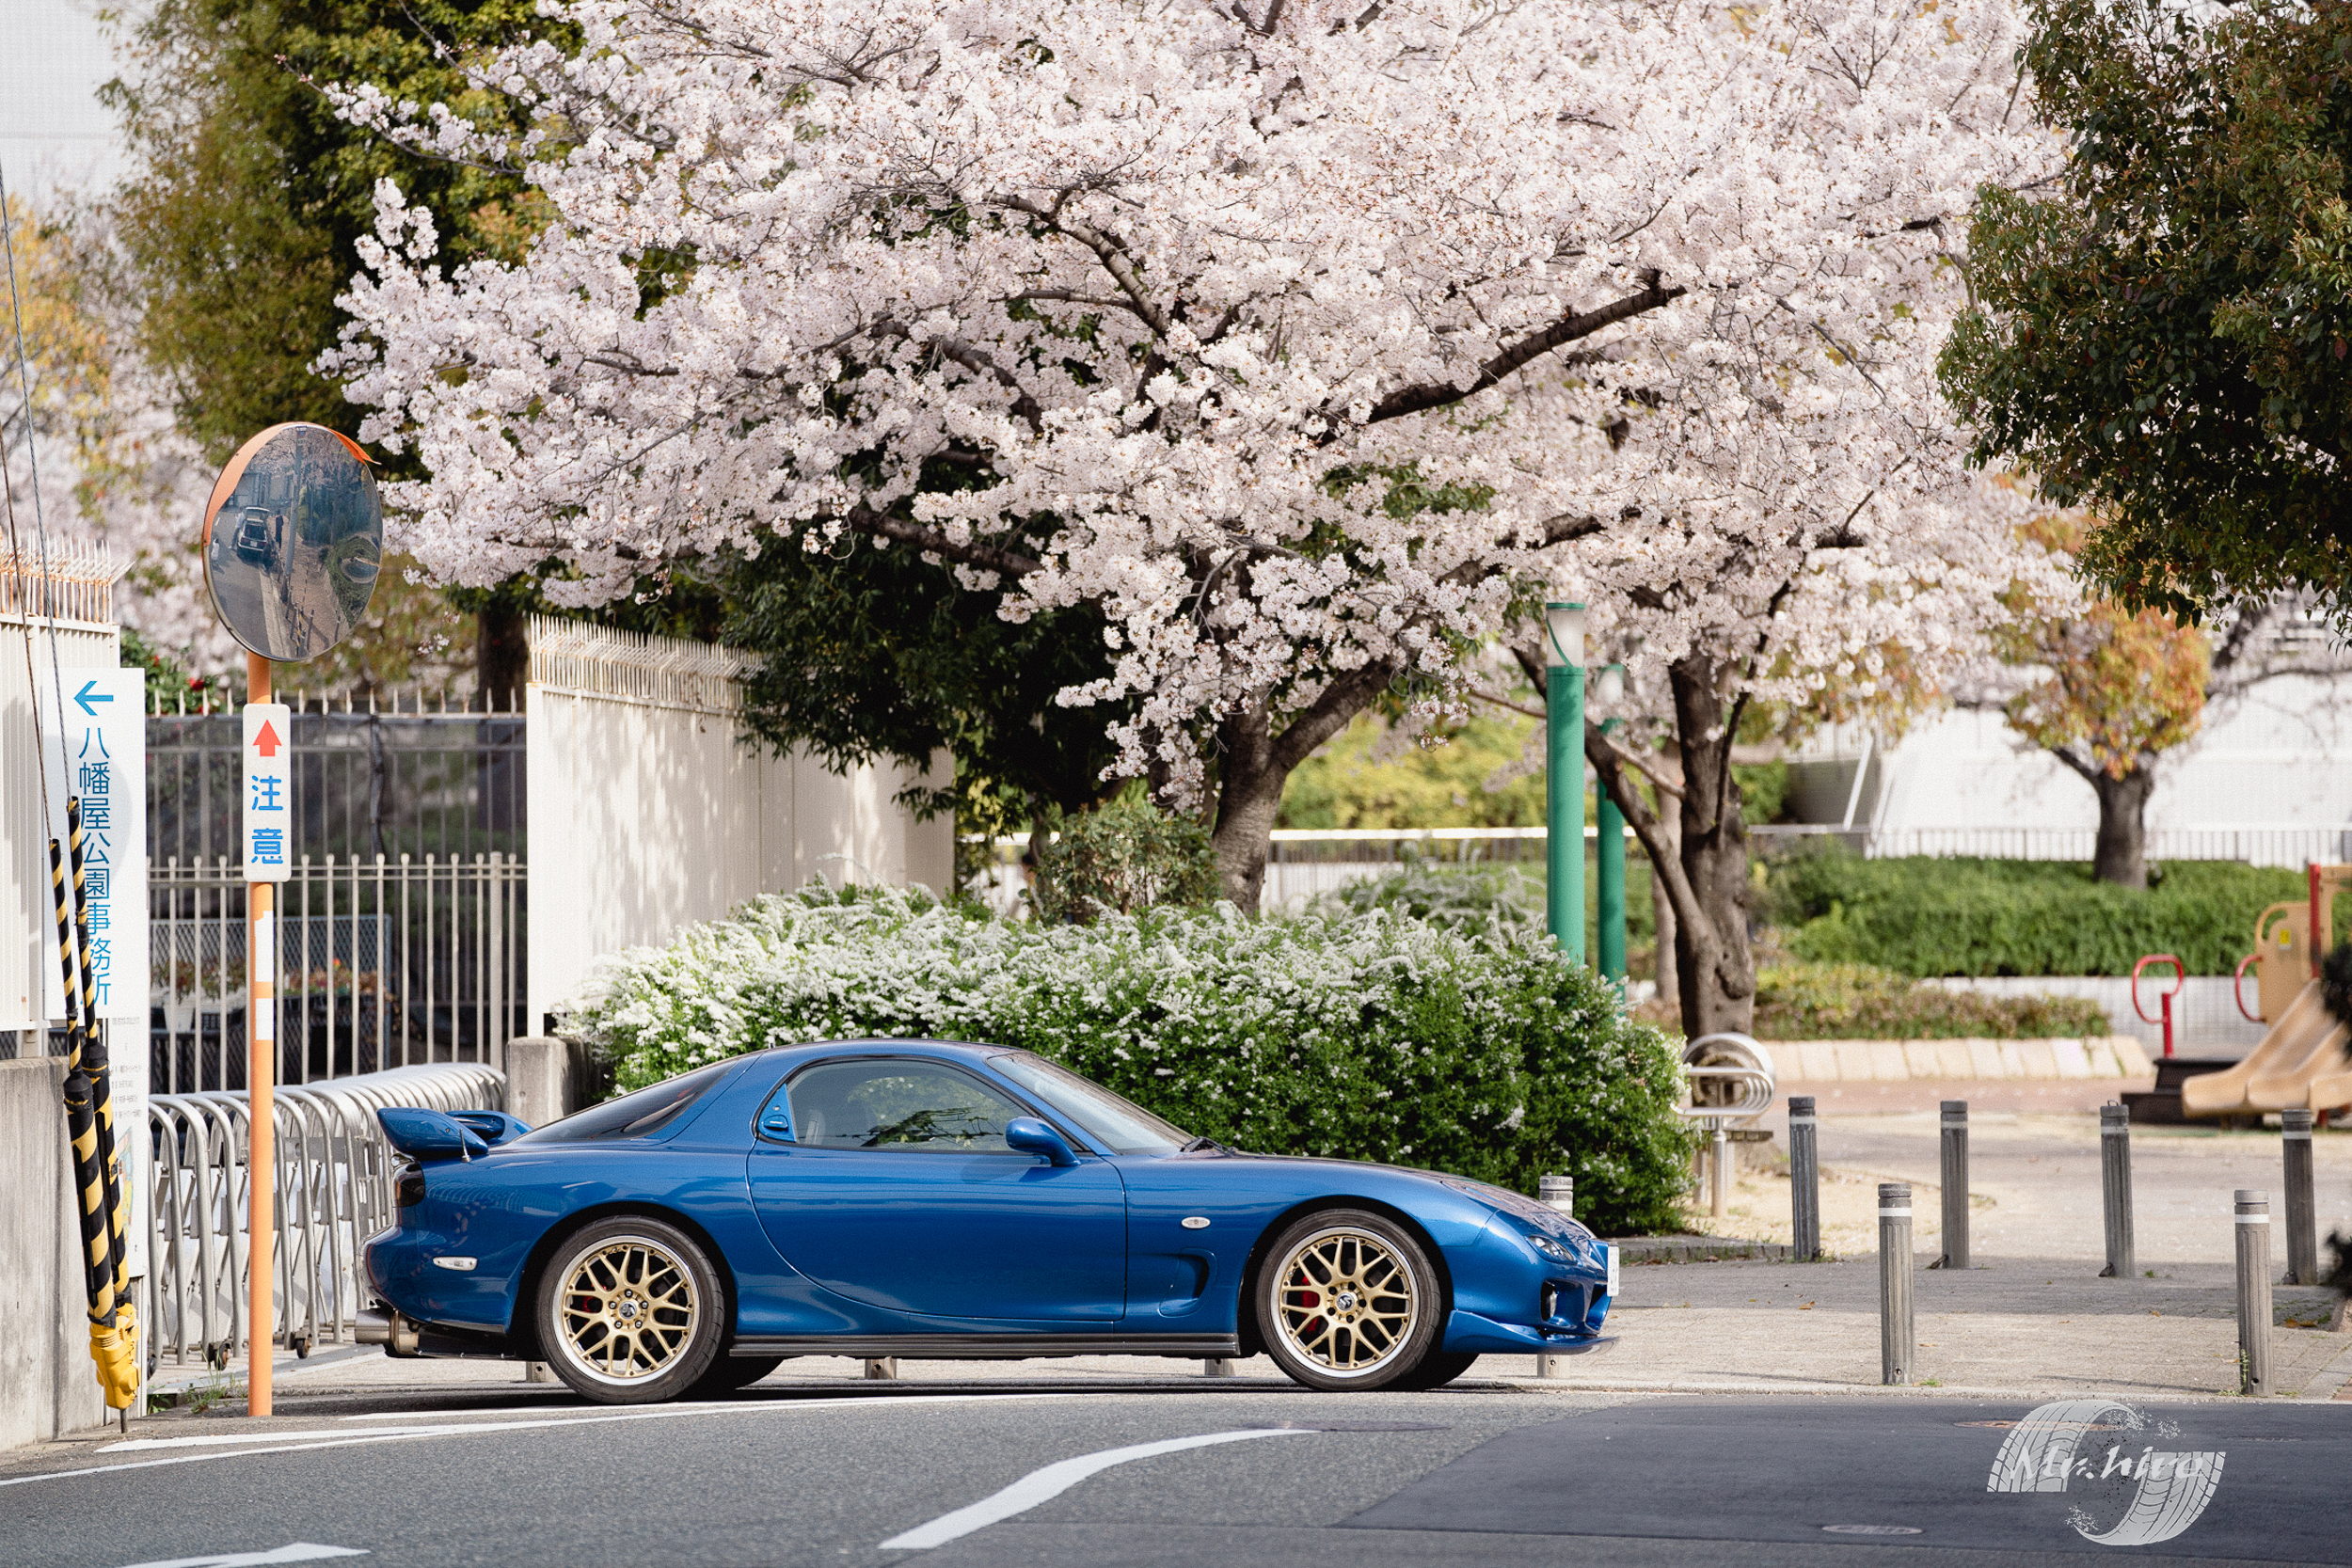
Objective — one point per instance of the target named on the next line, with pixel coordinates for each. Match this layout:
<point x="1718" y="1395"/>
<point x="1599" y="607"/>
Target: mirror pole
<point x="261" y="972"/>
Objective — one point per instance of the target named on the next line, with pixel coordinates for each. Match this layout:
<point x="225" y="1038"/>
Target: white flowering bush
<point x="1368" y="1038"/>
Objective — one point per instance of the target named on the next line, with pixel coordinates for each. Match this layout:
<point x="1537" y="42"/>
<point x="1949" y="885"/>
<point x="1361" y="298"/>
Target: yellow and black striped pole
<point x="116" y="1364"/>
<point x="117" y="1352"/>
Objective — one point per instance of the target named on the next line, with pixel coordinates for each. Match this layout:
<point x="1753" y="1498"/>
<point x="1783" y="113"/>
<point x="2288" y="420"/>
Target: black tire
<point x="630" y="1311"/>
<point x="729" y="1373"/>
<point x="1349" y="1300"/>
<point x="1438" y="1368"/>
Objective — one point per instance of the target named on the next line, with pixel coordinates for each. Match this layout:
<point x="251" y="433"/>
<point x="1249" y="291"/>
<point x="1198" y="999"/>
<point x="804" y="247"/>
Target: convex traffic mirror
<point x="293" y="538"/>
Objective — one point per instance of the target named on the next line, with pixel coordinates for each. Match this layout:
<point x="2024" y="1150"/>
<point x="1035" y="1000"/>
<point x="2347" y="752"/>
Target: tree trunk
<point x="501" y="651"/>
<point x="1254" y="763"/>
<point x="1248" y="796"/>
<point x="1715" y="967"/>
<point x="1702" y="858"/>
<point x="2122" y="855"/>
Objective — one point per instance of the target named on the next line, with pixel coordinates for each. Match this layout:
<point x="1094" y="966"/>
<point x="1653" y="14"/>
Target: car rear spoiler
<point x="440" y="1135"/>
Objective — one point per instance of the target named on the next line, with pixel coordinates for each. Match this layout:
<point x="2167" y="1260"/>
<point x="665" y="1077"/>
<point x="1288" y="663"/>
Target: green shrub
<point x="1122" y="857"/>
<point x="1497" y="901"/>
<point x="1367" y="1039"/>
<point x="1928" y="918"/>
<point x="1855" y="1002"/>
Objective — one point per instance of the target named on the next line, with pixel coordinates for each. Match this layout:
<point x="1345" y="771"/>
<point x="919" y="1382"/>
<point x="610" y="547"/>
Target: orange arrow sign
<point x="267" y="742"/>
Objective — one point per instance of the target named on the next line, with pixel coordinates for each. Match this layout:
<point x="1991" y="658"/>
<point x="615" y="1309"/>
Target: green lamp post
<point x="1609" y="687"/>
<point x="1563" y="783"/>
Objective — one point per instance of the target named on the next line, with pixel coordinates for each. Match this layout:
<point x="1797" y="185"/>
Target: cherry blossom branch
<point x="1440" y="394"/>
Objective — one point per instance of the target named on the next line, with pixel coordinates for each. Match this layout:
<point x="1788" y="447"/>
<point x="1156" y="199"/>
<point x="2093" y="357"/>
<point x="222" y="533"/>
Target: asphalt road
<point x="782" y="1475"/>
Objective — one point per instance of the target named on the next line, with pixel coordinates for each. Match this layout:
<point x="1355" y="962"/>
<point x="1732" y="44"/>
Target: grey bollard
<point x="2302" y="1217"/>
<point x="2115" y="1181"/>
<point x="1804" y="1179"/>
<point x="1955" y="1180"/>
<point x="2253" y="1291"/>
<point x="883" y="1368"/>
<point x="1898" y="1337"/>
<point x="1558" y="1193"/>
<point x="1226" y="1367"/>
<point x="1721" y="1158"/>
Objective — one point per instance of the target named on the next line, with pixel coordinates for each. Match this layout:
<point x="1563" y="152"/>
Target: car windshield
<point x="633" y="1115"/>
<point x="1111" y="1122"/>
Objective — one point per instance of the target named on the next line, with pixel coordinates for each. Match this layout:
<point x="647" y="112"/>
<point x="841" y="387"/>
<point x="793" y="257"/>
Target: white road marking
<point x="1054" y="1480"/>
<point x="299" y="1551"/>
<point x="311" y="1441"/>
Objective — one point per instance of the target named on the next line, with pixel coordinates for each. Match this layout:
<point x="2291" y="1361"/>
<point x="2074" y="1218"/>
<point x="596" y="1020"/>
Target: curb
<point x="1698" y="1249"/>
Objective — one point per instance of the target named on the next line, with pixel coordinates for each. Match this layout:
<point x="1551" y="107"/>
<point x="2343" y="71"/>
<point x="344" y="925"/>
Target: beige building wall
<point x="648" y="812"/>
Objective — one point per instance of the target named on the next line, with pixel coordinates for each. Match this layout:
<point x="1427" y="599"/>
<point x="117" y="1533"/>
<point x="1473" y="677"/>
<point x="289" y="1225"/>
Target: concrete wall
<point x="48" y="1386"/>
<point x="548" y="1079"/>
<point x="2275" y="759"/>
<point x="649" y="811"/>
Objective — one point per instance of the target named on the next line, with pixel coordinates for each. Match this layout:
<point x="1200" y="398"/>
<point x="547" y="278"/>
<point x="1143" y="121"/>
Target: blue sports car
<point x="944" y="1201"/>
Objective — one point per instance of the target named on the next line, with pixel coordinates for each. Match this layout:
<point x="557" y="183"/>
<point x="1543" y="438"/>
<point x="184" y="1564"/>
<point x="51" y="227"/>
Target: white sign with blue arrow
<point x="96" y="751"/>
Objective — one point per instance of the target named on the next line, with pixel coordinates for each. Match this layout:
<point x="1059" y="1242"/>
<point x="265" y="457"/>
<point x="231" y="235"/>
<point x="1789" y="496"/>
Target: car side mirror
<point x="429" y="1135"/>
<point x="1029" y="1136"/>
<point x="776" y="1121"/>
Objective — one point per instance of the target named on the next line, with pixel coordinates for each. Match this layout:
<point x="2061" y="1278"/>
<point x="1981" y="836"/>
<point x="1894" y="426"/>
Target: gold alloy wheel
<point x="1346" y="1302"/>
<point x="628" y="1310"/>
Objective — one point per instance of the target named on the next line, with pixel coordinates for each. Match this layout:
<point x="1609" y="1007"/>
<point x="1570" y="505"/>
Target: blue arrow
<point x="85" y="698"/>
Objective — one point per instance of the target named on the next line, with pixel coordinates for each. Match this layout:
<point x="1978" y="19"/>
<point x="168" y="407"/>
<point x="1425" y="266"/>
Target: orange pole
<point x="260" y="1042"/>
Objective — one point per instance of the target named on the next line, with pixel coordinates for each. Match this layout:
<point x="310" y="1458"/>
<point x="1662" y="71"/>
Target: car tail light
<point x="408" y="1184"/>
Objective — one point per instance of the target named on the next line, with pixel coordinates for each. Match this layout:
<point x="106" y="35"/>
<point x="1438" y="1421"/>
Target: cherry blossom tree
<point x="1816" y="552"/>
<point x="1309" y="342"/>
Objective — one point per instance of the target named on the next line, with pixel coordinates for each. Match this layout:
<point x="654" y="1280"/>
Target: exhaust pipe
<point x="386" y="1326"/>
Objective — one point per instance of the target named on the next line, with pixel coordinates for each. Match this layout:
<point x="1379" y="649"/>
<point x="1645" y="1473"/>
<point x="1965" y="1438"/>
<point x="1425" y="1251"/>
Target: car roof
<point x="883" y="1046"/>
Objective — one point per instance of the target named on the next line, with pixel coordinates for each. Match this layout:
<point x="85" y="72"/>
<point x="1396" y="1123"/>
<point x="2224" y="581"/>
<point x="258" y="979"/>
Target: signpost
<point x="99" y="759"/>
<point x="293" y="539"/>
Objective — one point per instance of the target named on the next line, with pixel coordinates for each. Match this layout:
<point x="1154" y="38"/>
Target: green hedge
<point x="1368" y="1039"/>
<point x="1929" y="917"/>
<point x="1855" y="1002"/>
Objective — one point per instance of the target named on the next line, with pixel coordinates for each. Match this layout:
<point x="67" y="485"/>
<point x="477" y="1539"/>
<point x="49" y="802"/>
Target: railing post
<point x="1720" y="1157"/>
<point x="1897" y="1336"/>
<point x="2115" y="1182"/>
<point x="1955" y="1179"/>
<point x="2253" y="1291"/>
<point x="2302" y="1222"/>
<point x="1804" y="1179"/>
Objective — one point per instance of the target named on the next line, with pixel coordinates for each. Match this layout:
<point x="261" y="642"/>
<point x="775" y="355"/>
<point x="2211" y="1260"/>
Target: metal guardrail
<point x="334" y="1192"/>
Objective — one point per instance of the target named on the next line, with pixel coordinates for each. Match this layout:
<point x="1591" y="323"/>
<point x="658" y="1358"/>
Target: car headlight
<point x="1529" y="1213"/>
<point x="1551" y="1248"/>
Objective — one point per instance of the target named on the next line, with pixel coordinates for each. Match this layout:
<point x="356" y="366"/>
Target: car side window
<point x="904" y="1106"/>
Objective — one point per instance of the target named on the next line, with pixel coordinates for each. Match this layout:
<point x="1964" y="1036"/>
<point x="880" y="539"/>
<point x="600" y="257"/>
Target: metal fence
<point x="392" y="780"/>
<point x="2289" y="847"/>
<point x="382" y="962"/>
<point x="334" y="1175"/>
<point x="1303" y="862"/>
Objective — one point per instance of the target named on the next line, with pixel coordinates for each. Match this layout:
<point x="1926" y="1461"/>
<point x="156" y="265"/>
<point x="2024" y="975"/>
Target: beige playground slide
<point x="2301" y="1062"/>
